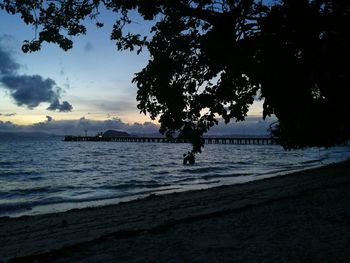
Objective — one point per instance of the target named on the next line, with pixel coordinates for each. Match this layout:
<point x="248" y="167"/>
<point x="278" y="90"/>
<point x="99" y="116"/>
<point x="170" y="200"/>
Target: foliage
<point x="211" y="59"/>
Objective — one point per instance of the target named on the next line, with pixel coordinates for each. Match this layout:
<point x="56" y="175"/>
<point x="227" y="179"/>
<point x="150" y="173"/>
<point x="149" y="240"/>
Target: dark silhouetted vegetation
<point x="212" y="59"/>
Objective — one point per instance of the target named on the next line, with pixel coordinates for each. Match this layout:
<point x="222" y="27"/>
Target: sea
<point x="47" y="175"/>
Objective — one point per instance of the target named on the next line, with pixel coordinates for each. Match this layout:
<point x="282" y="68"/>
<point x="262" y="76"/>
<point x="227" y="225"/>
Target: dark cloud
<point x="61" y="107"/>
<point x="7" y="64"/>
<point x="7" y="114"/>
<point x="29" y="91"/>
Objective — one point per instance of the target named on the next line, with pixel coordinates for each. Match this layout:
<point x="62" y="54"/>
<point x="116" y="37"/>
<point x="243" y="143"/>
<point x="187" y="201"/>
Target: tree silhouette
<point x="212" y="58"/>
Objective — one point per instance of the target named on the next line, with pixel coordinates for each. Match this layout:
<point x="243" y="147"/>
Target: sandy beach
<point x="299" y="217"/>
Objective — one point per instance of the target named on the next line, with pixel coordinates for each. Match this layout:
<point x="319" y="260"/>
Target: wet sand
<point x="300" y="217"/>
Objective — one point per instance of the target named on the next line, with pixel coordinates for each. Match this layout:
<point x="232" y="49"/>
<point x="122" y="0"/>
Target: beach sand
<point x="300" y="217"/>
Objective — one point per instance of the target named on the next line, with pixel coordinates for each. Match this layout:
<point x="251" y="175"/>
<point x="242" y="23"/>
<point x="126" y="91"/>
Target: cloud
<point x="78" y="127"/>
<point x="62" y="72"/>
<point x="7" y="114"/>
<point x="29" y="91"/>
<point x="7" y="64"/>
<point x="61" y="107"/>
<point x="252" y="126"/>
<point x="88" y="47"/>
<point x="9" y="126"/>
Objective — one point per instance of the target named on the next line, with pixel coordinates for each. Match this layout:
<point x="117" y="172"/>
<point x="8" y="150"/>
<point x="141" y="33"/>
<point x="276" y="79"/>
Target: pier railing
<point x="206" y="140"/>
<point x="219" y="140"/>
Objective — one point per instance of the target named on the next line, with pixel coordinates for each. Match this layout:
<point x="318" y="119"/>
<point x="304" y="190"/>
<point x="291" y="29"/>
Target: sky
<point x="91" y="82"/>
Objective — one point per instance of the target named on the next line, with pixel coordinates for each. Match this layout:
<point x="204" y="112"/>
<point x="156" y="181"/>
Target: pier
<point x="206" y="140"/>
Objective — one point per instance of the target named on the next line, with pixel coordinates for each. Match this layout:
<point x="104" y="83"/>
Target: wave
<point x="20" y="173"/>
<point x="162" y="172"/>
<point x="311" y="161"/>
<point x="201" y="170"/>
<point x="132" y="185"/>
<point x="15" y="207"/>
<point x="27" y="191"/>
<point x="8" y="163"/>
<point x="211" y="176"/>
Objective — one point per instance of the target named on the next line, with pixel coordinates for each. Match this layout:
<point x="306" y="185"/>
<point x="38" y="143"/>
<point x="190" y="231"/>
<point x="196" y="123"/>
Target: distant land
<point x="9" y="135"/>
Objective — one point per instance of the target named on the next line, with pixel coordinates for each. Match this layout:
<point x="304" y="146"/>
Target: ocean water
<point x="48" y="175"/>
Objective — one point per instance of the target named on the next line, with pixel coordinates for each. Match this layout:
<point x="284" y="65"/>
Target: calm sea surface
<point x="48" y="175"/>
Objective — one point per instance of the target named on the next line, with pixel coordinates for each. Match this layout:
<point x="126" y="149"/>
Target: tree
<point x="212" y="58"/>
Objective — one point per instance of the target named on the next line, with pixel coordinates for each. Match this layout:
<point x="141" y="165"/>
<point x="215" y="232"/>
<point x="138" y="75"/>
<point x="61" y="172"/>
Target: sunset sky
<point x="93" y="77"/>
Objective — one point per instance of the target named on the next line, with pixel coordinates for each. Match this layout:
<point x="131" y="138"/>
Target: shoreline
<point x="53" y="208"/>
<point x="60" y="235"/>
